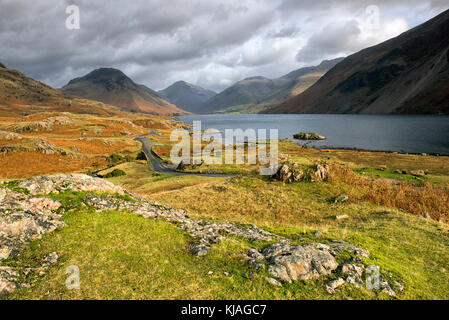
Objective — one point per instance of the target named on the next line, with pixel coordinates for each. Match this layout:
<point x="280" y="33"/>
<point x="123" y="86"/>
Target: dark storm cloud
<point x="209" y="42"/>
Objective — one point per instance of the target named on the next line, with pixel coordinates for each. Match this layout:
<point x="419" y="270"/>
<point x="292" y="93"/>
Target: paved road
<point x="160" y="166"/>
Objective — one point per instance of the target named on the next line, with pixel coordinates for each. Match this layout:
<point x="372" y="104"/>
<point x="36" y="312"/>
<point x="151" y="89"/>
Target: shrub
<point x="114" y="158"/>
<point x="141" y="156"/>
<point x="115" y="173"/>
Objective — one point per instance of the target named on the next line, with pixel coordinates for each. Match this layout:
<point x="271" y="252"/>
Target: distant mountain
<point x="257" y="93"/>
<point x="407" y="74"/>
<point x="21" y="95"/>
<point x="186" y="95"/>
<point x="113" y="87"/>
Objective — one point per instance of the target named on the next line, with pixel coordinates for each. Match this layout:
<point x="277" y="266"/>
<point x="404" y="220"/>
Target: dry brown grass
<point x="28" y="164"/>
<point x="92" y="146"/>
<point x="428" y="199"/>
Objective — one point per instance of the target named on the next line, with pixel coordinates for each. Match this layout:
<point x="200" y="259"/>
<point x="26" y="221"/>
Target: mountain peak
<point x="186" y="95"/>
<point x="112" y="86"/>
<point x="2" y="65"/>
<point x="103" y="75"/>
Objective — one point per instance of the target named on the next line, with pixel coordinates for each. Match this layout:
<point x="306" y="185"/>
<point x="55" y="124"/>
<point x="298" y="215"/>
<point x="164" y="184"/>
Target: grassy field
<point x="123" y="256"/>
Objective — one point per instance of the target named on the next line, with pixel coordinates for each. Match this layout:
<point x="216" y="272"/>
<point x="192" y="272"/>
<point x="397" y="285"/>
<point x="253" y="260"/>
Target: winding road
<point x="160" y="166"/>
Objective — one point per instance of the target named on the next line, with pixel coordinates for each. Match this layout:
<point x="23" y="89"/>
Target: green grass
<point x="122" y="256"/>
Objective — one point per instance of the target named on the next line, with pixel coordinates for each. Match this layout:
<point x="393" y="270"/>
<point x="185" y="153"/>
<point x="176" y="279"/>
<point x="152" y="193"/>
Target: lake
<point x="395" y="133"/>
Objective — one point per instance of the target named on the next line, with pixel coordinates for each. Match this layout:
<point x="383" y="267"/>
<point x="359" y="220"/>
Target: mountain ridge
<point x="258" y="92"/>
<point x="20" y="95"/>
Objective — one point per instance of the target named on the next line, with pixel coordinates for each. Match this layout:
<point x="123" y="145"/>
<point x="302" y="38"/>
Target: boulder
<point x="273" y="282"/>
<point x="418" y="173"/>
<point x="321" y="173"/>
<point x="341" y="199"/>
<point x="283" y="174"/>
<point x="334" y="284"/>
<point x="292" y="263"/>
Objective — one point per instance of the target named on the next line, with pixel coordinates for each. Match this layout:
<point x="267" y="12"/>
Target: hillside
<point x="257" y="93"/>
<point x="21" y="95"/>
<point x="113" y="87"/>
<point x="407" y="74"/>
<point x="186" y="95"/>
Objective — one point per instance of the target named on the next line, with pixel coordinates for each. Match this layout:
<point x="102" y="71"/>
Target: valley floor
<point x="400" y="217"/>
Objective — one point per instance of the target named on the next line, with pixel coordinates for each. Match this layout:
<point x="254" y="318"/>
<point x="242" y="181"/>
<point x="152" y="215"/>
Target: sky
<point x="211" y="43"/>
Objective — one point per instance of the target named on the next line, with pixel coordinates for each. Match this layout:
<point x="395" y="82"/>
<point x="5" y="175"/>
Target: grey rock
<point x="279" y="272"/>
<point x="274" y="282"/>
<point x="334" y="284"/>
<point x="8" y="278"/>
<point x="341" y="199"/>
<point x="300" y="262"/>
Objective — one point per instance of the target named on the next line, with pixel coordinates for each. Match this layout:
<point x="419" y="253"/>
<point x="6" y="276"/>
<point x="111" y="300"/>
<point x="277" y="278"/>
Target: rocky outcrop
<point x="291" y="173"/>
<point x="73" y="182"/>
<point x="6" y="135"/>
<point x="288" y="174"/>
<point x="44" y="125"/>
<point x="321" y="173"/>
<point x="24" y="218"/>
<point x="289" y="263"/>
<point x="293" y="263"/>
<point x="34" y="144"/>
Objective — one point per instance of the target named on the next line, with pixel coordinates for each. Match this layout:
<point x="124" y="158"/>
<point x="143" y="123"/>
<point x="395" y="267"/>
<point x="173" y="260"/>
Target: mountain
<point x="148" y="89"/>
<point x="257" y="93"/>
<point x="20" y="95"/>
<point x="186" y="95"/>
<point x="406" y="74"/>
<point x="113" y="87"/>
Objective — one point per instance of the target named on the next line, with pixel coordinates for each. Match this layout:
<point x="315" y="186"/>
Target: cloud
<point x="212" y="43"/>
<point x="345" y="37"/>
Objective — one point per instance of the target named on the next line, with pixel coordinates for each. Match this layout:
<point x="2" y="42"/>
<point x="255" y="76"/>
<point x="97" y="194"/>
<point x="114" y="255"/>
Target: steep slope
<point x="257" y="93"/>
<point x="186" y="95"/>
<point x="21" y="95"/>
<point x="148" y="89"/>
<point x="407" y="74"/>
<point x="113" y="87"/>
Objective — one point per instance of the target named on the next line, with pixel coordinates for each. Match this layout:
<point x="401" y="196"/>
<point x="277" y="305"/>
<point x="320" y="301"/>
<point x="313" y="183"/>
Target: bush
<point x="114" y="158"/>
<point x="141" y="156"/>
<point x="115" y="173"/>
